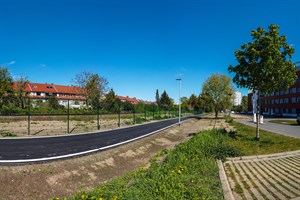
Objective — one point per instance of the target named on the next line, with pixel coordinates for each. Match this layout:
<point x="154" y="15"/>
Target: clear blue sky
<point x="139" y="46"/>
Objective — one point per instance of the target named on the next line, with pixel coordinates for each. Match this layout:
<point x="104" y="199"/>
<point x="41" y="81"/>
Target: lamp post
<point x="179" y="107"/>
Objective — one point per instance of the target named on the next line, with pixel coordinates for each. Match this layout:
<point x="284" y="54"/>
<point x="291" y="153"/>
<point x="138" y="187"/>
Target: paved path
<point x="58" y="147"/>
<point x="288" y="130"/>
<point x="274" y="176"/>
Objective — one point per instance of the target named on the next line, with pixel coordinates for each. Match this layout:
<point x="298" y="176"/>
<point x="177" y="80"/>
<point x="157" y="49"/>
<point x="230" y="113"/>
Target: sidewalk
<point x="288" y="130"/>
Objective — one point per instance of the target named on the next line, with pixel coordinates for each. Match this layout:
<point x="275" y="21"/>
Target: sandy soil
<point x="67" y="177"/>
<point x="42" y="126"/>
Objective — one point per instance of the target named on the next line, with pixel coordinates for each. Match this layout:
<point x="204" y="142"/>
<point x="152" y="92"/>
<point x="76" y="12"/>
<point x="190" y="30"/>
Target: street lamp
<point x="179" y="107"/>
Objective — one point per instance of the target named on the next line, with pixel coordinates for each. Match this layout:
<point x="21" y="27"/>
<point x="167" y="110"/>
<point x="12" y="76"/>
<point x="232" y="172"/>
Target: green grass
<point x="190" y="170"/>
<point x="244" y="140"/>
<point x="288" y="122"/>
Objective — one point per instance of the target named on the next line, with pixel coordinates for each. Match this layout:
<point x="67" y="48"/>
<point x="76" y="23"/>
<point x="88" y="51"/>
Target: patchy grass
<point x="190" y="170"/>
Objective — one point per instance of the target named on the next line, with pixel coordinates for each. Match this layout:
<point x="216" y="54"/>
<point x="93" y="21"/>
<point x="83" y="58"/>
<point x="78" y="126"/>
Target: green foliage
<point x="53" y="102"/>
<point x="6" y="87"/>
<point x="218" y="91"/>
<point x="111" y="103"/>
<point x="165" y="101"/>
<point x="7" y="134"/>
<point x="263" y="63"/>
<point x="21" y="83"/>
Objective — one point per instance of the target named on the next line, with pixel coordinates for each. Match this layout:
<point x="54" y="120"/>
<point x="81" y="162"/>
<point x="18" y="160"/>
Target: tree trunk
<point x="257" y="115"/>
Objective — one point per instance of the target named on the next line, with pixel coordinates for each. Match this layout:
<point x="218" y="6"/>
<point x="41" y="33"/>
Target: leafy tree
<point x="264" y="65"/>
<point x="6" y="86"/>
<point x="92" y="87"/>
<point x="244" y="103"/>
<point x="127" y="106"/>
<point x="21" y="83"/>
<point x="111" y="103"/>
<point x="184" y="103"/>
<point x="193" y="101"/>
<point x="157" y="98"/>
<point x="218" y="90"/>
<point x="53" y="102"/>
<point x="165" y="101"/>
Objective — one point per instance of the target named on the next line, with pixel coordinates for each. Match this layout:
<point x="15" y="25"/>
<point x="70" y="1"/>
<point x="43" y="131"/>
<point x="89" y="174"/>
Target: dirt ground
<point x="66" y="177"/>
<point x="51" y="126"/>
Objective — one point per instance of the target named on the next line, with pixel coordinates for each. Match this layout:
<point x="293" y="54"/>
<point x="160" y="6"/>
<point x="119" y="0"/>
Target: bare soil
<point x="57" y="125"/>
<point x="66" y="177"/>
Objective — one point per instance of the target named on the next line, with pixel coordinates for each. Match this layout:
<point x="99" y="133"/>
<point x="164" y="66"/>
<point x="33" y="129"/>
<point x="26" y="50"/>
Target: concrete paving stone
<point x="256" y="181"/>
<point x="270" y="182"/>
<point x="239" y="180"/>
<point x="294" y="172"/>
<point x="253" y="189"/>
<point x="265" y="183"/>
<point x="275" y="176"/>
<point x="287" y="177"/>
<point x="282" y="179"/>
<point x="275" y="180"/>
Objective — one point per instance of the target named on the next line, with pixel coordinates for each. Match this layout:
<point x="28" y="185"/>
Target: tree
<point x="193" y="101"/>
<point x="165" y="101"/>
<point x="6" y="86"/>
<point x="53" y="102"/>
<point x="264" y="65"/>
<point x="219" y="90"/>
<point x="157" y="98"/>
<point x="244" y="103"/>
<point x="111" y="103"/>
<point x="92" y="87"/>
<point x="21" y="83"/>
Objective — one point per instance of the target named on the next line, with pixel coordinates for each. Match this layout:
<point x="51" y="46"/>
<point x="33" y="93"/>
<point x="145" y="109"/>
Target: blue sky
<point x="139" y="46"/>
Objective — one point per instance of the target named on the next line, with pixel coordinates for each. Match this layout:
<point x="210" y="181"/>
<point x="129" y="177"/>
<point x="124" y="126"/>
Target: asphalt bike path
<point x="20" y="150"/>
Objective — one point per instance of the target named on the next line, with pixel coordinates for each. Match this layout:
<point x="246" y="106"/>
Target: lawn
<point x="190" y="170"/>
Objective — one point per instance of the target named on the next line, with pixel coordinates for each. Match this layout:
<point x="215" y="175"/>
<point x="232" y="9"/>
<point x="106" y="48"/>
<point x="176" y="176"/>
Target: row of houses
<point x="40" y="92"/>
<point x="281" y="103"/>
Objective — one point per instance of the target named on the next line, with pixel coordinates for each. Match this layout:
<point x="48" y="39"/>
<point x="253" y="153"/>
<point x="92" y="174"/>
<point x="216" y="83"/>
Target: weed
<point x="7" y="134"/>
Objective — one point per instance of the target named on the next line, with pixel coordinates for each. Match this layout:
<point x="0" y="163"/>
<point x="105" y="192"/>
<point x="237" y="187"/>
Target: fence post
<point x="68" y="117"/>
<point x="119" y="113"/>
<point x="145" y="112"/>
<point x="153" y="108"/>
<point x="98" y="116"/>
<point x="28" y="115"/>
<point x="134" y="114"/>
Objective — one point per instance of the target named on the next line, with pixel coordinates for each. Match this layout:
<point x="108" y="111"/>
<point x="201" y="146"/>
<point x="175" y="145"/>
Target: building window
<point x="298" y="89"/>
<point x="293" y="100"/>
<point x="298" y="100"/>
<point x="293" y="90"/>
<point x="281" y="100"/>
<point x="70" y="95"/>
<point x="281" y="92"/>
<point x="38" y="94"/>
<point x="286" y="92"/>
<point x="286" y="100"/>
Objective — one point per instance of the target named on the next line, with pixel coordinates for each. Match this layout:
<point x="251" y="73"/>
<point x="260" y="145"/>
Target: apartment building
<point x="281" y="103"/>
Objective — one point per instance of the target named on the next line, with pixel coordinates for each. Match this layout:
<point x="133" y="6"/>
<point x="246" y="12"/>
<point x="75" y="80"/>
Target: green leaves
<point x="263" y="63"/>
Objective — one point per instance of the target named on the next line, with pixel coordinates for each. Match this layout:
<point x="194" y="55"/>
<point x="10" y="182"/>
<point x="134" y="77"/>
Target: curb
<point x="225" y="185"/>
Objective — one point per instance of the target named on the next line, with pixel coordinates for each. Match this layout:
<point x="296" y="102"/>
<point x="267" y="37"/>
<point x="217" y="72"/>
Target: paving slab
<point x="273" y="176"/>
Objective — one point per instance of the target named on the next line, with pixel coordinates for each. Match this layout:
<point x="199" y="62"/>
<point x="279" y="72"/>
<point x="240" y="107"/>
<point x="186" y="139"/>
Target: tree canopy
<point x="219" y="92"/>
<point x="92" y="87"/>
<point x="6" y="87"/>
<point x="263" y="63"/>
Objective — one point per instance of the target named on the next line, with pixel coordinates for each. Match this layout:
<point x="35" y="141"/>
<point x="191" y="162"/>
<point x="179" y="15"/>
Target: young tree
<point x="219" y="90"/>
<point x="21" y="83"/>
<point x="6" y="87"/>
<point x="244" y="103"/>
<point x="264" y="65"/>
<point x="111" y="103"/>
<point x="92" y="87"/>
<point x="157" y="98"/>
<point x="165" y="100"/>
<point x="193" y="101"/>
<point x="53" y="102"/>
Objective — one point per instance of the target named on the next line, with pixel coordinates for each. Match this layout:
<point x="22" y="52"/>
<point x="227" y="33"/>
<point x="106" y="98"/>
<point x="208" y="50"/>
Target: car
<point x="298" y="118"/>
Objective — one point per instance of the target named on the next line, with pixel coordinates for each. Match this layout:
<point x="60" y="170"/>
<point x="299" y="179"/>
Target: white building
<point x="237" y="99"/>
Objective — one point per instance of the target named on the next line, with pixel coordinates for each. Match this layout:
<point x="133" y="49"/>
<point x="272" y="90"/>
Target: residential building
<point x="237" y="99"/>
<point x="40" y="92"/>
<point x="283" y="103"/>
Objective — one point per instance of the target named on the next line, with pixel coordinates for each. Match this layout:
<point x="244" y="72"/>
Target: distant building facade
<point x="41" y="92"/>
<point x="284" y="103"/>
<point x="237" y="99"/>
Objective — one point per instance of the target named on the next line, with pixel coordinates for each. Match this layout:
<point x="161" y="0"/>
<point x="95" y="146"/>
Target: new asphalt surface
<point x="50" y="148"/>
